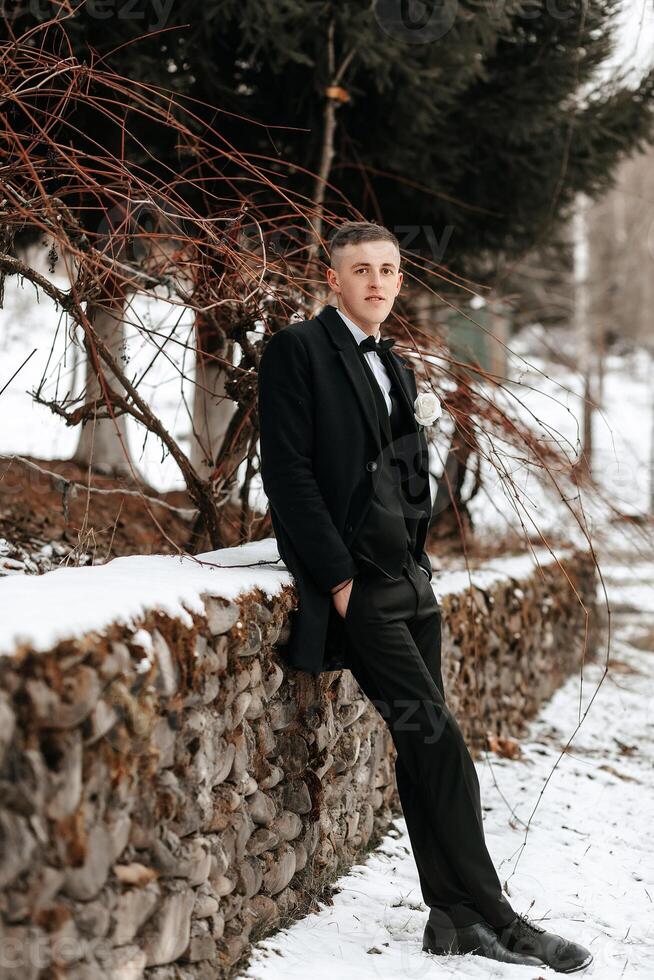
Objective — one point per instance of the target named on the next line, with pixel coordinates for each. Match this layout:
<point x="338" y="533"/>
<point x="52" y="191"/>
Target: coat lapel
<point x="349" y="357"/>
<point x="351" y="361"/>
<point x="400" y="373"/>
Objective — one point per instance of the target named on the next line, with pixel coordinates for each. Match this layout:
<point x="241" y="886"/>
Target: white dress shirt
<point x="373" y="359"/>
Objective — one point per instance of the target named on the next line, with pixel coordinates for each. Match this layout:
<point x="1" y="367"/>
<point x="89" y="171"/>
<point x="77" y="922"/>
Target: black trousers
<point x="393" y="637"/>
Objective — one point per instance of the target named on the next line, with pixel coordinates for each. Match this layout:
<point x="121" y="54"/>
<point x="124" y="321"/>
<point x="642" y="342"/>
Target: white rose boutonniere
<point x="427" y="408"/>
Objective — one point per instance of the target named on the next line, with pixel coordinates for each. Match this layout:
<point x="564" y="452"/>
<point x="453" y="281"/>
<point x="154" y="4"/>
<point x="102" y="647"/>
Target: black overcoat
<point x="319" y="443"/>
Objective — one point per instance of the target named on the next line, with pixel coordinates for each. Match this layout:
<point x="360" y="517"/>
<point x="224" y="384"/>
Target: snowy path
<point x="588" y="862"/>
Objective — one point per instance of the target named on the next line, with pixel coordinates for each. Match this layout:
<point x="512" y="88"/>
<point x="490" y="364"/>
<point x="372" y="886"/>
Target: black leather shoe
<point x="524" y="936"/>
<point x="479" y="938"/>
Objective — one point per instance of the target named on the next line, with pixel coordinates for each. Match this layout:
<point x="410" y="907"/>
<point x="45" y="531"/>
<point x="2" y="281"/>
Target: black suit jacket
<point x="319" y="429"/>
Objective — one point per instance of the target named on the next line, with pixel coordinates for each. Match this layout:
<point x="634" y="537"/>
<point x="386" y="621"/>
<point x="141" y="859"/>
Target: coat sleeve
<point x="285" y="408"/>
<point x="425" y="564"/>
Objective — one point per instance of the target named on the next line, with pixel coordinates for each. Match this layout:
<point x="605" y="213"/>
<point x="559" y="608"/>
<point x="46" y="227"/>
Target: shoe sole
<point x="582" y="966"/>
<point x="574" y="969"/>
<point x="476" y="952"/>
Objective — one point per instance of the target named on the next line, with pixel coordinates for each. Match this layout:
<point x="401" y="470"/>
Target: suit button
<point x="348" y="527"/>
<point x="371" y="465"/>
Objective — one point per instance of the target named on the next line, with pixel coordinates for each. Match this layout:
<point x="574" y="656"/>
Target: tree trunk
<point x="335" y="95"/>
<point x="584" y="331"/>
<point x="212" y="409"/>
<point x="103" y="441"/>
<point x="451" y="520"/>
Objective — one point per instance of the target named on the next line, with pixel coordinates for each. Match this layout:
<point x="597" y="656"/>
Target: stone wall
<point x="168" y="795"/>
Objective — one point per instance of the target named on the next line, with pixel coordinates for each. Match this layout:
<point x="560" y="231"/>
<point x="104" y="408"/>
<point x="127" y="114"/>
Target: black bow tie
<point x="379" y="346"/>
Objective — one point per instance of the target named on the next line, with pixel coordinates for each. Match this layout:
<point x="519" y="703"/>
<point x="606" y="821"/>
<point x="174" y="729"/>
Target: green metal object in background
<point x="479" y="340"/>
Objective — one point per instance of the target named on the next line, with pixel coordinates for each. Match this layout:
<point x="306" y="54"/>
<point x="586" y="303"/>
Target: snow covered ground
<point x="549" y="397"/>
<point x="586" y="862"/>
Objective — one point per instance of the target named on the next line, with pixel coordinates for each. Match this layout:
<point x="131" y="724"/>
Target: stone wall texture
<point x="170" y="795"/>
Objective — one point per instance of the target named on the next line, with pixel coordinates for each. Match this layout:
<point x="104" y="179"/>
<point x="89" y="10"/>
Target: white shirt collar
<point x="355" y="329"/>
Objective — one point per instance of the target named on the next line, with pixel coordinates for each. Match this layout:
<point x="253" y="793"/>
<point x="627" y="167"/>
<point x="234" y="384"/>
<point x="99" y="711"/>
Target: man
<point x="344" y="463"/>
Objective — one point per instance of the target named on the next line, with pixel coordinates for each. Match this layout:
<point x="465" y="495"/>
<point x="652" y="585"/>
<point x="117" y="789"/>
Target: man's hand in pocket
<point x="342" y="597"/>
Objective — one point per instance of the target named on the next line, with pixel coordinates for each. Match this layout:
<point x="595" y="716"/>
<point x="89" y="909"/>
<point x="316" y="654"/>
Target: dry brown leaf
<point x="620" y="775"/>
<point x="508" y="748"/>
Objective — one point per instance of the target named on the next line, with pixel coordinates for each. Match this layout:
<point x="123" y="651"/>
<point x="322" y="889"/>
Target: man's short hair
<point x="355" y="232"/>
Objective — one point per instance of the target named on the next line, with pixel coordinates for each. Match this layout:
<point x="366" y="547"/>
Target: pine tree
<point x="479" y="139"/>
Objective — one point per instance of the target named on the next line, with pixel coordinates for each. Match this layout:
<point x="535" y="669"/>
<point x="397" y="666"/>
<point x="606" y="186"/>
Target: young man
<point x="344" y="463"/>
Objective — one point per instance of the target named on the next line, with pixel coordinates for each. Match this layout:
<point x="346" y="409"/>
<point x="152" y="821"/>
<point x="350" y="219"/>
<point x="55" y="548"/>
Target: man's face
<point x="366" y="278"/>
